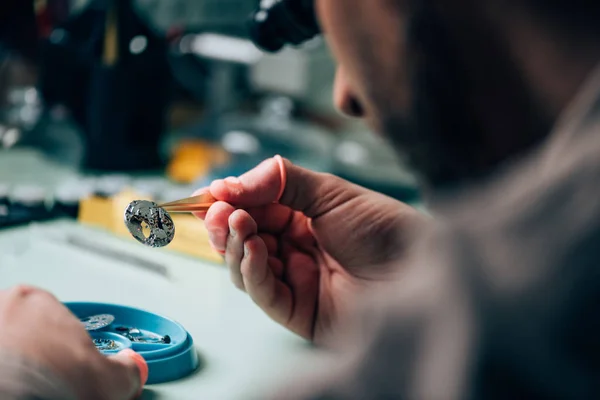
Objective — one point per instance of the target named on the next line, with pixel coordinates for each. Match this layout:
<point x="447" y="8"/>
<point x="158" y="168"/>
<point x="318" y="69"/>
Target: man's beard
<point x="443" y="138"/>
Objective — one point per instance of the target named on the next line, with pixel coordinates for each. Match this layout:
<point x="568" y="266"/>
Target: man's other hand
<point x="36" y="326"/>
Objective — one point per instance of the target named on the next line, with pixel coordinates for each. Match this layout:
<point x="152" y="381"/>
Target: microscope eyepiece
<point x="278" y="23"/>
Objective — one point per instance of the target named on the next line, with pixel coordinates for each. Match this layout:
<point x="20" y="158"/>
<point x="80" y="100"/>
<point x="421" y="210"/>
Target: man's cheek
<point x="377" y="125"/>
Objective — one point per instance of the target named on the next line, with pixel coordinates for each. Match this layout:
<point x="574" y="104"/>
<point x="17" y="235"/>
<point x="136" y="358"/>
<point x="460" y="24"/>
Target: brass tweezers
<point x="198" y="203"/>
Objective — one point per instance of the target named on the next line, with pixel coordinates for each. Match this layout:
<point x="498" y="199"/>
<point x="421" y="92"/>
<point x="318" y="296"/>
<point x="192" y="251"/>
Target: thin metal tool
<point x="105" y="251"/>
<point x="198" y="203"/>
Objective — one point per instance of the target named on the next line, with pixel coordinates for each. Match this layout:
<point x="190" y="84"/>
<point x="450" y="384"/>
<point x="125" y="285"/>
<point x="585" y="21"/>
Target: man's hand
<point x="36" y="326"/>
<point x="304" y="257"/>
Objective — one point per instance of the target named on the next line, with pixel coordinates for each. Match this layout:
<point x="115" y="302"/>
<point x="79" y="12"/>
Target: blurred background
<point x="156" y="98"/>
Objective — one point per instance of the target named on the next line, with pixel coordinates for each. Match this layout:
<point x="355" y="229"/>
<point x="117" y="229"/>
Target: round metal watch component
<point x="97" y="322"/>
<point x="158" y="221"/>
<point x="107" y="345"/>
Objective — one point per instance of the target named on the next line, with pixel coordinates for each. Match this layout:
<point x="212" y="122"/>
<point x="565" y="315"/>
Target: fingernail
<point x="232" y="232"/>
<point x="200" y="215"/>
<point x="212" y="246"/>
<point x="233" y="181"/>
<point x="215" y="237"/>
<point x="246" y="251"/>
<point x="282" y="176"/>
<point x="200" y="191"/>
<point x="141" y="364"/>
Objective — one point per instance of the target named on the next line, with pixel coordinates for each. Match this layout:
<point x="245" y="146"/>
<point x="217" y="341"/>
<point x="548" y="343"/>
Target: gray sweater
<point x="501" y="299"/>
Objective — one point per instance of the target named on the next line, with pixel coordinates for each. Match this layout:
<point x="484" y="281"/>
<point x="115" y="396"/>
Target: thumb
<point x="130" y="373"/>
<point x="278" y="180"/>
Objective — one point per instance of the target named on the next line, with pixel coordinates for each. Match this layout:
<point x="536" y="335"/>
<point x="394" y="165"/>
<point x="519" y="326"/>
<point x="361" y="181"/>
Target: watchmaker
<point x="496" y="105"/>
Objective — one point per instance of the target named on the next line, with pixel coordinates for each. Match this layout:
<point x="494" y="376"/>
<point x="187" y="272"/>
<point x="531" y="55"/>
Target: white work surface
<point x="242" y="352"/>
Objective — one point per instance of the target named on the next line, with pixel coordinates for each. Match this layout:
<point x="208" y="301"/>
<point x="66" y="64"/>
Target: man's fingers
<point x="281" y="181"/>
<point x="304" y="284"/>
<point x="264" y="288"/>
<point x="258" y="187"/>
<point x="270" y="242"/>
<point x="276" y="266"/>
<point x="202" y="214"/>
<point x="217" y="224"/>
<point x="129" y="374"/>
<point x="241" y="227"/>
<point x="271" y="218"/>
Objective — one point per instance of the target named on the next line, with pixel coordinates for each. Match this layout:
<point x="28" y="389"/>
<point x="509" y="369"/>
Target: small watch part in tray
<point x="107" y="345"/>
<point x="97" y="322"/>
<point x="138" y="336"/>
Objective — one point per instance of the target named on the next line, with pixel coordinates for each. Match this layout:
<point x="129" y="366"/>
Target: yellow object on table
<point x="191" y="237"/>
<point x="194" y="159"/>
<point x="97" y="212"/>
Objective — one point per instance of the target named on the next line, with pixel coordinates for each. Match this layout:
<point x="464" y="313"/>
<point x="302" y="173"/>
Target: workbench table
<point x="242" y="352"/>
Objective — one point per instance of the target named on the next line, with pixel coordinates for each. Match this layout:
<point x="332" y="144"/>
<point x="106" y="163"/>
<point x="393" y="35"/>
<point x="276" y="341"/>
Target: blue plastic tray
<point x="166" y="362"/>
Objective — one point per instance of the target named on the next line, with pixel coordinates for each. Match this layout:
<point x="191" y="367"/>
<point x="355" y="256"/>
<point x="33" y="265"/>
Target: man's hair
<point x="576" y="17"/>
